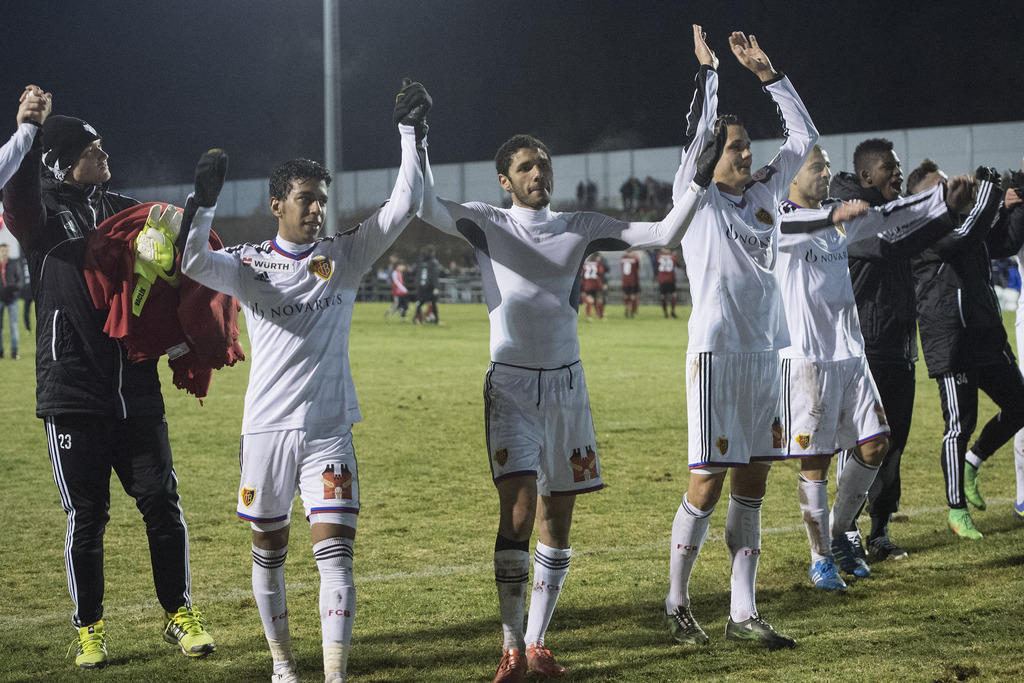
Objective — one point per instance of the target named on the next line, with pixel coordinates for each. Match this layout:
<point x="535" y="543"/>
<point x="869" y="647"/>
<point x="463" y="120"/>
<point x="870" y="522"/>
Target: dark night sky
<point x="162" y="81"/>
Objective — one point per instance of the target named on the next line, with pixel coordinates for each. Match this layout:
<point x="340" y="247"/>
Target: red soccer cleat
<point x="542" y="661"/>
<point x="512" y="668"/>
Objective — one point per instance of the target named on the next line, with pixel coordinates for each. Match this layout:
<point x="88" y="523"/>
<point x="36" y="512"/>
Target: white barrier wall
<point x="957" y="149"/>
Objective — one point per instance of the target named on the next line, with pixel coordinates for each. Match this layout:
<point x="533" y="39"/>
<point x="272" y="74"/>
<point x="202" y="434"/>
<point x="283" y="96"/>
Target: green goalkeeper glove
<point x="154" y="253"/>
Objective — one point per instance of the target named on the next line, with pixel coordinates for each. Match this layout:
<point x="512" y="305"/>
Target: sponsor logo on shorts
<point x="584" y="467"/>
<point x="247" y="496"/>
<point x="337" y="484"/>
<point x="322" y="267"/>
<point x="501" y="456"/>
<point x="777" y="433"/>
<point x="803" y="439"/>
<point x="765" y="217"/>
<point x="722" y="444"/>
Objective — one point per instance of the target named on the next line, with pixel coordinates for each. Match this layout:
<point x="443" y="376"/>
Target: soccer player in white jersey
<point x="736" y="328"/>
<point x="830" y="400"/>
<point x="1015" y="196"/>
<point x="298" y="292"/>
<point x="540" y="435"/>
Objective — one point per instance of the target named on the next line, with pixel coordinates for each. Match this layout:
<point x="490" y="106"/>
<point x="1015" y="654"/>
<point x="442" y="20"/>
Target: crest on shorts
<point x="337" y="483"/>
<point x="777" y="433"/>
<point x="765" y="217"/>
<point x="803" y="439"/>
<point x="501" y="456"/>
<point x="583" y="466"/>
<point x="322" y="267"/>
<point x="247" y="496"/>
<point x="723" y="445"/>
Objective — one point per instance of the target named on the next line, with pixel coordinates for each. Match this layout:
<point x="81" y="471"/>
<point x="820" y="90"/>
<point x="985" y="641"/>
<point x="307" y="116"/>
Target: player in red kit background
<point x="666" y="279"/>
<point x="593" y="283"/>
<point x="630" y="282"/>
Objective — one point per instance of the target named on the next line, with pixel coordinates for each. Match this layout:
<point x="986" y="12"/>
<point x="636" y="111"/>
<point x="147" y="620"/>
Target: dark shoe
<point x="882" y="548"/>
<point x="757" y="629"/>
<point x="684" y="629"/>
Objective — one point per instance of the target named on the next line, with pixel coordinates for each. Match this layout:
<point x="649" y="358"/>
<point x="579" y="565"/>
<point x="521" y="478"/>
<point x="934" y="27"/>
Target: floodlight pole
<point x="332" y="113"/>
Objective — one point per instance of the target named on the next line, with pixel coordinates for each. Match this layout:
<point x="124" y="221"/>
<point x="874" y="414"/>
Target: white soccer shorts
<point x="829" y="406"/>
<point x="275" y="464"/>
<point x="733" y="410"/>
<point x="538" y="423"/>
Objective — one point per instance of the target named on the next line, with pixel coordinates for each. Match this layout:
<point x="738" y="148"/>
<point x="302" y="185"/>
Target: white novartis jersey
<point x="813" y="269"/>
<point x="14" y="150"/>
<point x="298" y="308"/>
<point x="731" y="247"/>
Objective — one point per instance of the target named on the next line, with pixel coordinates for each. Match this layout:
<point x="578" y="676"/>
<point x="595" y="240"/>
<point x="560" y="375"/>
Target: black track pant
<point x="958" y="392"/>
<point x="83" y="450"/>
<point x="896" y="384"/>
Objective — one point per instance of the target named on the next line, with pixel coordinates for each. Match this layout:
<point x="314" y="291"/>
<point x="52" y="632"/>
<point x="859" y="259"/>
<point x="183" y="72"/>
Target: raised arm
<point x="19" y="168"/>
<point x="799" y="130"/>
<point x="377" y="233"/>
<point x="700" y="120"/>
<point x="33" y="108"/>
<point x="217" y="270"/>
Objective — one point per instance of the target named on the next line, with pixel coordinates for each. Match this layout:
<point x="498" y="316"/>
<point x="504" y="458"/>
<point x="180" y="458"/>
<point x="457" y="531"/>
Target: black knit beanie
<point x="64" y="139"/>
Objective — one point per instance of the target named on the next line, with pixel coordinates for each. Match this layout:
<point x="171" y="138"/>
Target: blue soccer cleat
<point x="848" y="558"/>
<point x="825" y="575"/>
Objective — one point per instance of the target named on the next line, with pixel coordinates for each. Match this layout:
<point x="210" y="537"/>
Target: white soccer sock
<point x="851" y="492"/>
<point x="337" y="601"/>
<point x="972" y="458"/>
<point x="511" y="572"/>
<point x="272" y="603"/>
<point x="743" y="536"/>
<point x="1018" y="464"/>
<point x="550" y="565"/>
<point x="689" y="530"/>
<point x="813" y="496"/>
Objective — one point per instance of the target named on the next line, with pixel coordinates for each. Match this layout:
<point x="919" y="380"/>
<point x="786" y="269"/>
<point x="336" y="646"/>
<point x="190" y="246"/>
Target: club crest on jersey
<point x="803" y="439"/>
<point x="722" y="444"/>
<point x="765" y="217"/>
<point x="337" y="484"/>
<point x="777" y="433"/>
<point x="322" y="267"/>
<point x="247" y="496"/>
<point x="501" y="456"/>
<point x="583" y="466"/>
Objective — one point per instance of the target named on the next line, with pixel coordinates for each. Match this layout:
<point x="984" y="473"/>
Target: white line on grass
<point x="303" y="586"/>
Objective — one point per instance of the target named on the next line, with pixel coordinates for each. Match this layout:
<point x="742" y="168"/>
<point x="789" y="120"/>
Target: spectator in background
<point x="10" y="289"/>
<point x="591" y="196"/>
<point x="628" y="192"/>
<point x="428" y="273"/>
<point x="581" y="194"/>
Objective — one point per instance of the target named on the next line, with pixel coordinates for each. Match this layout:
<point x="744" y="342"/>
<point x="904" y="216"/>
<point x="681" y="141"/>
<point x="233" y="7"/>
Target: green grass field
<point x="426" y="599"/>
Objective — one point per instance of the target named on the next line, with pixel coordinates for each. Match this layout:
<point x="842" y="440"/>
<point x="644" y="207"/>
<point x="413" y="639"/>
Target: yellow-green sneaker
<point x="971" y="491"/>
<point x="962" y="525"/>
<point x="92" y="646"/>
<point x="185" y="629"/>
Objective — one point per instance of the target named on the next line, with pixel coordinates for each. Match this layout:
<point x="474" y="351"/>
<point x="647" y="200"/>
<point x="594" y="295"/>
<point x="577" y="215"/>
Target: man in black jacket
<point x="963" y="338"/>
<point x="101" y="412"/>
<point x="884" y="291"/>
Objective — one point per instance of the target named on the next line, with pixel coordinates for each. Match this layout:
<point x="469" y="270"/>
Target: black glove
<point x="709" y="156"/>
<point x="988" y="173"/>
<point x="1017" y="182"/>
<point x="210" y="173"/>
<point x="412" y="103"/>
